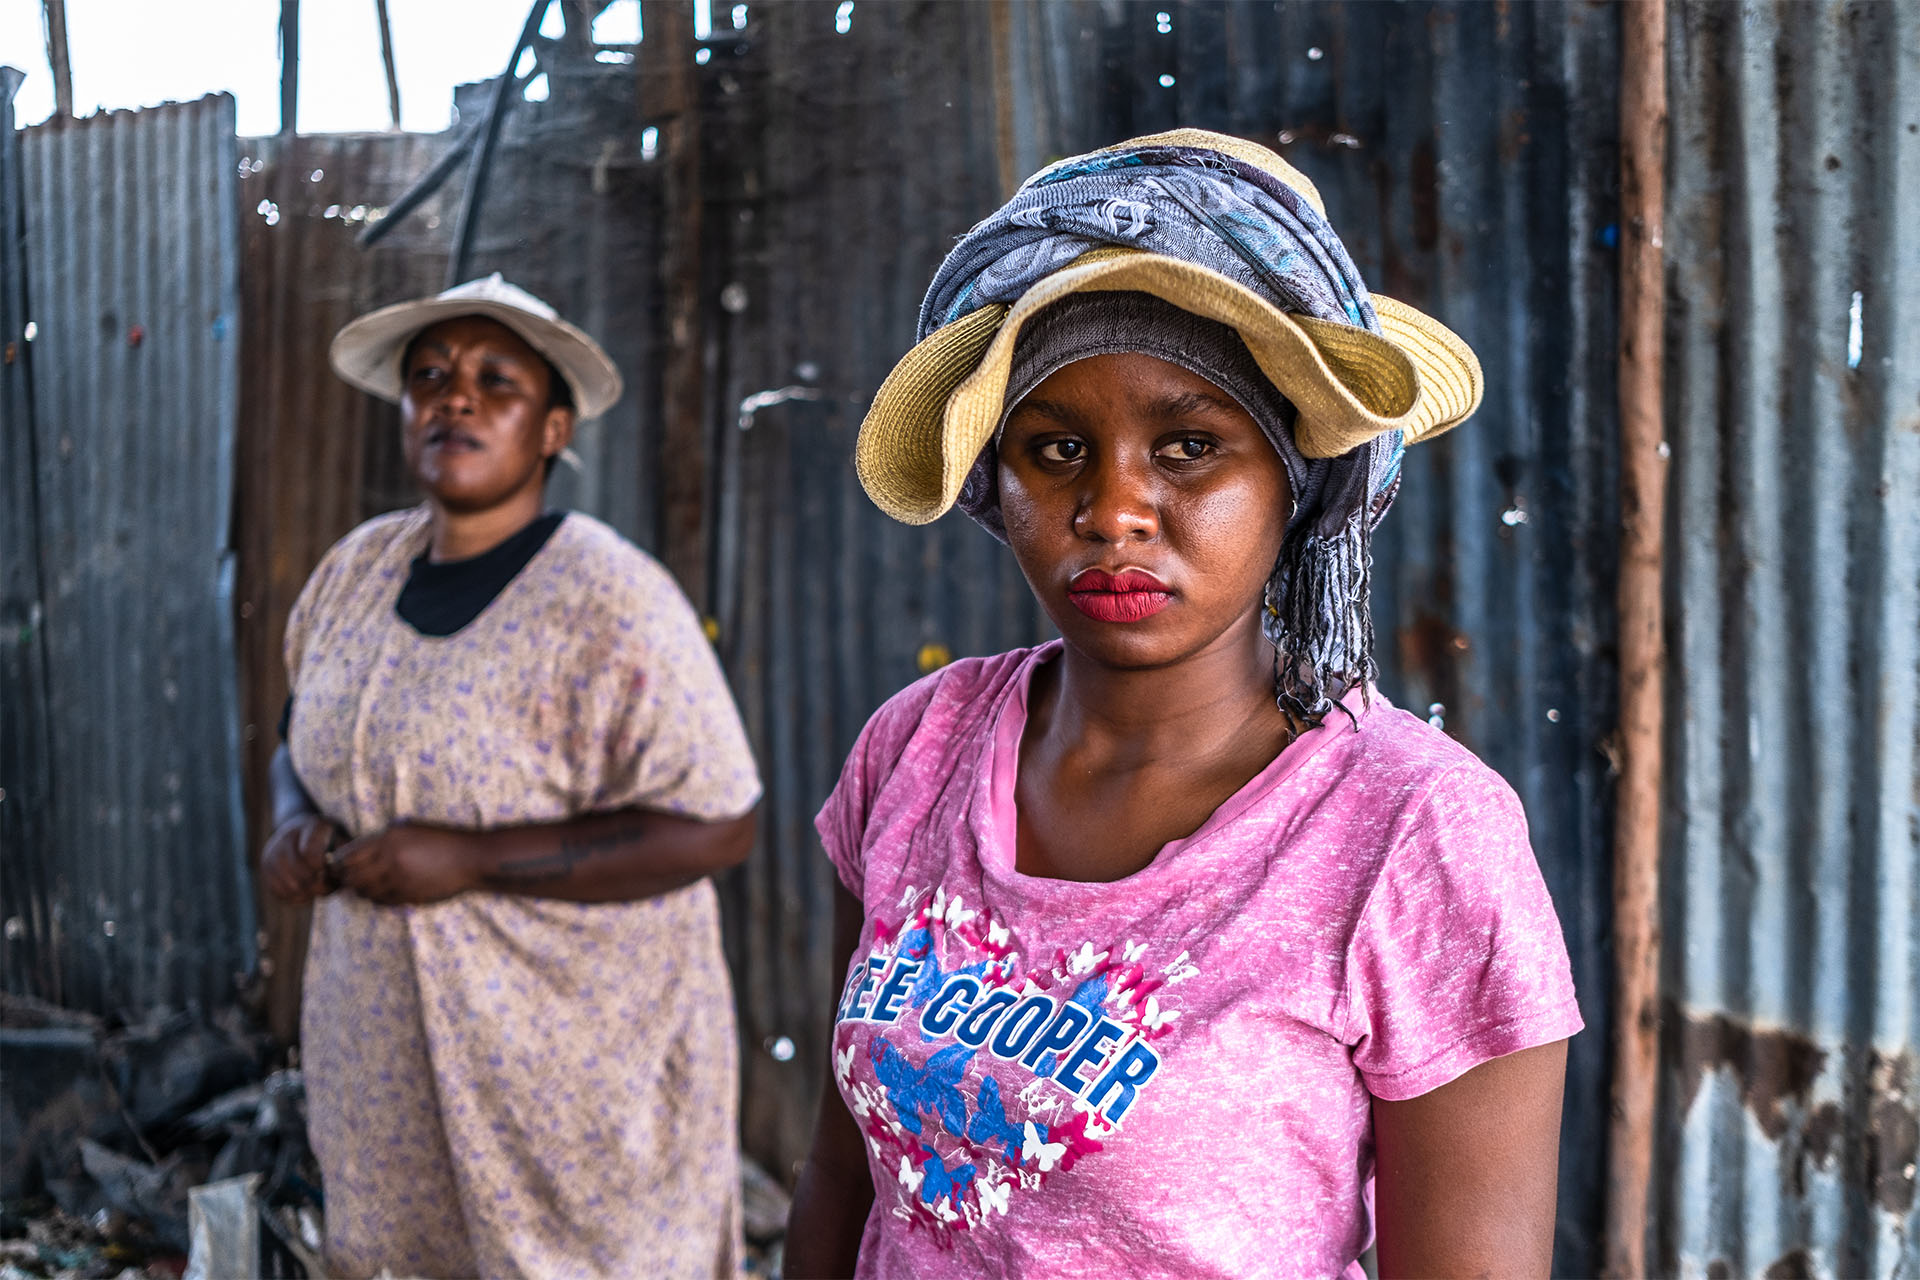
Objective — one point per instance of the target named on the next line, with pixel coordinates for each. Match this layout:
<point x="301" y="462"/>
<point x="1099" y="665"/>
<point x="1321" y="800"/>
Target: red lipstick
<point x="1129" y="596"/>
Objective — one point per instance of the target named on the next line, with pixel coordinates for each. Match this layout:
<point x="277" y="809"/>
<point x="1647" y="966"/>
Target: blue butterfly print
<point x="941" y="1181"/>
<point x="930" y="1092"/>
<point x="990" y="1121"/>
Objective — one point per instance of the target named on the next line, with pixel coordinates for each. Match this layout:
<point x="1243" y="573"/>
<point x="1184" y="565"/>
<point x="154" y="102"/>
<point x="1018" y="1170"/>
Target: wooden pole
<point x="386" y="58"/>
<point x="53" y="14"/>
<point x="1643" y="490"/>
<point x="289" y="65"/>
<point x="670" y="102"/>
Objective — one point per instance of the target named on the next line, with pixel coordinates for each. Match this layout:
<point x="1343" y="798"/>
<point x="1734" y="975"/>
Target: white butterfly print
<point x="1085" y="960"/>
<point x="910" y="1177"/>
<point x="1047" y="1153"/>
<point x="997" y="934"/>
<point x="1132" y="951"/>
<point x="994" y="1195"/>
<point x="1180" y="969"/>
<point x="1153" y="1017"/>
<point x="843" y="1065"/>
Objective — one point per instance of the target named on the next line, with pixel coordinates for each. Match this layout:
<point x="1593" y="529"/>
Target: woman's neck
<point x="1206" y="704"/>
<point x="461" y="535"/>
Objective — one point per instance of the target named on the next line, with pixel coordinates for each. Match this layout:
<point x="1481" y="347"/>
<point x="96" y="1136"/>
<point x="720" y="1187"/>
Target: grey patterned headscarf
<point x="1205" y="207"/>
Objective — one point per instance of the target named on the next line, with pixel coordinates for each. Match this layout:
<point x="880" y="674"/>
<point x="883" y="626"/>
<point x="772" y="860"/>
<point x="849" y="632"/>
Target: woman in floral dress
<point x="511" y="766"/>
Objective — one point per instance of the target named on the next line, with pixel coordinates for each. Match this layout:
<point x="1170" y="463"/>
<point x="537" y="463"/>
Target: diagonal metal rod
<point x="386" y="57"/>
<point x="483" y="154"/>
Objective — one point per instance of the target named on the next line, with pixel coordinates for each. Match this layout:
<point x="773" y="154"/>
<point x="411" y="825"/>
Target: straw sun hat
<point x="942" y="403"/>
<point x="366" y="353"/>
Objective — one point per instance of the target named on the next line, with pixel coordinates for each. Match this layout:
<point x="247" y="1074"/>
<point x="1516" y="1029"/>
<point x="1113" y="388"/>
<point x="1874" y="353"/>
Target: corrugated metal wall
<point x="1468" y="154"/>
<point x="25" y="781"/>
<point x="1793" y="827"/>
<point x="133" y="892"/>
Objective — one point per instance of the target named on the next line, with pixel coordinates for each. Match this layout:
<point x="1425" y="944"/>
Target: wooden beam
<point x="386" y="59"/>
<point x="1643" y="496"/>
<point x="289" y="65"/>
<point x="670" y="102"/>
<point x="53" y="14"/>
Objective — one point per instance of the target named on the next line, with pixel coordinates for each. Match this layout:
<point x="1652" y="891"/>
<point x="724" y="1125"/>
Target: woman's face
<point x="474" y="407"/>
<point x="1145" y="506"/>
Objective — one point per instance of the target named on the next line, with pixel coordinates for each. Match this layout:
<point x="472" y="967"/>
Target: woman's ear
<point x="557" y="432"/>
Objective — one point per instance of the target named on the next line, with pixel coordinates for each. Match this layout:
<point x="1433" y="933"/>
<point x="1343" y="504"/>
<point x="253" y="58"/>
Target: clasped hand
<point x="406" y="863"/>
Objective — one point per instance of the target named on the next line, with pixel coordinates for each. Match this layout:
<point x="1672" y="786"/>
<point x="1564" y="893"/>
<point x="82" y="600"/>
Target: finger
<point x="366" y="871"/>
<point x="357" y="852"/>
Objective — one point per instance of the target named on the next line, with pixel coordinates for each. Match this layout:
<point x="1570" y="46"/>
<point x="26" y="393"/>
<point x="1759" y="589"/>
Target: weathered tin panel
<point x="139" y="896"/>
<point x="1793" y="845"/>
<point x="1468" y="155"/>
<point x="26" y="785"/>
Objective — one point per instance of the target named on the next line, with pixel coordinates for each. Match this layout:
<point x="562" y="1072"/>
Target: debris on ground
<point x="170" y="1149"/>
<point x="106" y="1131"/>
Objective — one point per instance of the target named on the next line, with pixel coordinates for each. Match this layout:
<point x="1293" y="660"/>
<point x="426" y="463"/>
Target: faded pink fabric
<point x="1168" y="1075"/>
<point x="503" y="1085"/>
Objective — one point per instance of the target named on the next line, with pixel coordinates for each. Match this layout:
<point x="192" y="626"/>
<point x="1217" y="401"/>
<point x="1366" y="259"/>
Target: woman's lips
<point x="451" y="440"/>
<point x="1128" y="596"/>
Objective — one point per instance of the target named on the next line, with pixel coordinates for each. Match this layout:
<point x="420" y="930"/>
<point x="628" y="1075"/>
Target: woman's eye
<point x="1190" y="449"/>
<point x="1062" y="451"/>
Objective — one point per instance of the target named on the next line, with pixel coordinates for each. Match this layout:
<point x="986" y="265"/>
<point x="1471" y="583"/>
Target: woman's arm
<point x="1465" y="1176"/>
<point x="294" y="864"/>
<point x="835" y="1190"/>
<point x="620" y="856"/>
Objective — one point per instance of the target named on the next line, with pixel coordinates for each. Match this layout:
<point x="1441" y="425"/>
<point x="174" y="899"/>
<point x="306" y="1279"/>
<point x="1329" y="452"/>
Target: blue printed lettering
<point x="1019" y="1026"/>
<point x="954" y="999"/>
<point x="886" y="1005"/>
<point x="978" y="1025"/>
<point x="1061" y="1032"/>
<point x="1104" y="1033"/>
<point x="1135" y="1067"/>
<point x="874" y="965"/>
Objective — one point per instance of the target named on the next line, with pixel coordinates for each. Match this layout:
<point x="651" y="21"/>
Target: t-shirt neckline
<point x="1000" y="834"/>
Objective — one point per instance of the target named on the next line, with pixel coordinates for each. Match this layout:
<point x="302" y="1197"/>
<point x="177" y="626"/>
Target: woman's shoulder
<point x="605" y="564"/>
<point x="1419" y="792"/>
<point x="949" y="711"/>
<point x="394" y="536"/>
<point x="387" y="532"/>
<point x="1394" y="747"/>
<point x="964" y="689"/>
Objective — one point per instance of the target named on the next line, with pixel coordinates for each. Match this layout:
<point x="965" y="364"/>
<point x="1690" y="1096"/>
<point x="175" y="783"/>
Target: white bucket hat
<point x="366" y="352"/>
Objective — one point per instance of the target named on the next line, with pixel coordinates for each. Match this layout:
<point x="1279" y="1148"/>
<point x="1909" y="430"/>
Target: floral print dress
<point x="503" y="1085"/>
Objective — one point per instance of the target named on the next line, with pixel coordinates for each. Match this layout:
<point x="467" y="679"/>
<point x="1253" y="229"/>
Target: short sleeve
<point x="303" y="618"/>
<point x="842" y="821"/>
<point x="1458" y="957"/>
<point x="652" y="722"/>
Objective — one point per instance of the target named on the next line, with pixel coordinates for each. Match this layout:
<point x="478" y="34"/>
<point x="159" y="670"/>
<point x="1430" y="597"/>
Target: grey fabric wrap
<point x="1316" y="608"/>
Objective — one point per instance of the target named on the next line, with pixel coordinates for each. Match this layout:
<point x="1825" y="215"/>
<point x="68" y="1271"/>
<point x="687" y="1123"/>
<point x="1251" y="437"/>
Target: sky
<point x="138" y="53"/>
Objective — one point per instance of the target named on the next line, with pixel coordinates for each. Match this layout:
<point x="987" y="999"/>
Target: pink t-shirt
<point x="1170" y="1074"/>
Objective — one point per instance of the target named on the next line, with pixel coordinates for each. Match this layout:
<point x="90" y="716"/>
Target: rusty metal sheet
<point x="1793" y="848"/>
<point x="137" y="893"/>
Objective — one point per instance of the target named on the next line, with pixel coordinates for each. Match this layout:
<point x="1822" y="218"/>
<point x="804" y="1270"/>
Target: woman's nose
<point x="458" y="393"/>
<point x="1118" y="503"/>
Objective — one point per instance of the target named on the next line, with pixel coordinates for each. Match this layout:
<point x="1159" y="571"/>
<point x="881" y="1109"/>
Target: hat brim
<point x="943" y="402"/>
<point x="366" y="353"/>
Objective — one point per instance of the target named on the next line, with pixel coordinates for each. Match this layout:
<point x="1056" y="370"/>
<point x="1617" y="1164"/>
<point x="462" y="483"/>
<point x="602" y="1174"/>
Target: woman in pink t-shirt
<point x="1170" y="948"/>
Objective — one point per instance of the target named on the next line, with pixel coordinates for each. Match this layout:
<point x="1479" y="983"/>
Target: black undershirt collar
<point x="441" y="598"/>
